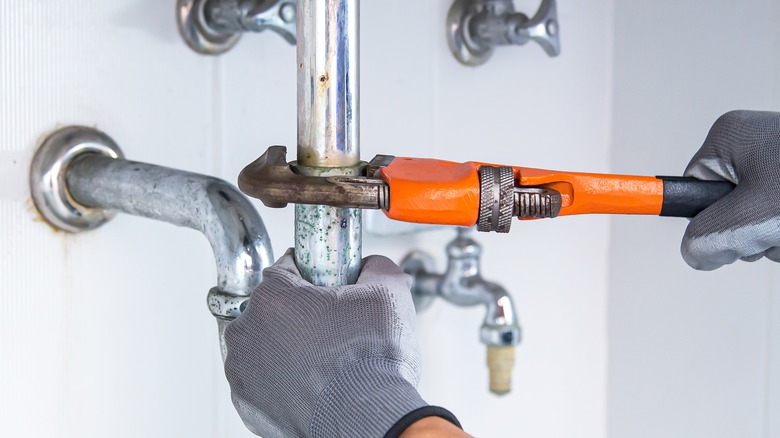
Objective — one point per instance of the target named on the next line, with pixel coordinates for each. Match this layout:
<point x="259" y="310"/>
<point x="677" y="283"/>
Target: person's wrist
<point x="433" y="427"/>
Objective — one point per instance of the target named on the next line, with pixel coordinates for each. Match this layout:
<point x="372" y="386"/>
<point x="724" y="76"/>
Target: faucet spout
<point x="463" y="285"/>
<point x="500" y="327"/>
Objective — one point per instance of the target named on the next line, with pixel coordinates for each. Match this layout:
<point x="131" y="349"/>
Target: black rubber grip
<point x="687" y="197"/>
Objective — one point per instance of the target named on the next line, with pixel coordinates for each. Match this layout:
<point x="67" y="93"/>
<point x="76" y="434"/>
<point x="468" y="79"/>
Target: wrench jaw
<point x="270" y="167"/>
<point x="277" y="183"/>
<point x="536" y="203"/>
<point x="375" y="166"/>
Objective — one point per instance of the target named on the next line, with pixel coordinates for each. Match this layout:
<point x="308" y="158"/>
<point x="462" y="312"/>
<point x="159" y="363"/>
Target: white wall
<point x="107" y="332"/>
<point x="690" y="353"/>
<point x="521" y="107"/>
<point x="103" y="333"/>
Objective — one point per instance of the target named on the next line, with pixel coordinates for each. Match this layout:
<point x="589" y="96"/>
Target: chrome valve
<point x="212" y="27"/>
<point x="476" y="27"/>
<point x="462" y="284"/>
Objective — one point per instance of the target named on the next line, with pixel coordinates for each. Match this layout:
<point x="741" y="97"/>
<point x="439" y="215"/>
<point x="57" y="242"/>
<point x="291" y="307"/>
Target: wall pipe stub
<point x="49" y="168"/>
<point x="79" y="180"/>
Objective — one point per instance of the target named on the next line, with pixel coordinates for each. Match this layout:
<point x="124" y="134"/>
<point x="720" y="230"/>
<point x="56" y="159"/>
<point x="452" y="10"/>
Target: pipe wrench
<point x="431" y="191"/>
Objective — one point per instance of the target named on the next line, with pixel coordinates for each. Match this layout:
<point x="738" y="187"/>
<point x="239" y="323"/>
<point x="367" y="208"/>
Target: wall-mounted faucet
<point x="212" y="27"/>
<point x="462" y="284"/>
<point x="79" y="179"/>
<point x="476" y="27"/>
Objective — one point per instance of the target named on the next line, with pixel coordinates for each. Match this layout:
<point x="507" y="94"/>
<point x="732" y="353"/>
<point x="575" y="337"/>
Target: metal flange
<point x="465" y="50"/>
<point x="48" y="172"/>
<point x="202" y="38"/>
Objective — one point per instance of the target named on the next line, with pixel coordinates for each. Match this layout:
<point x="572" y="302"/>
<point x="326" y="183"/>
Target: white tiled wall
<point x="107" y="333"/>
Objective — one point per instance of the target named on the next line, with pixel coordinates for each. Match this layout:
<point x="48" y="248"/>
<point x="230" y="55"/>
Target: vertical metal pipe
<point x="328" y="96"/>
<point x="328" y="240"/>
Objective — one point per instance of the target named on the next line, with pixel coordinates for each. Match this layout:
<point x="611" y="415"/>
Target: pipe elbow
<point x="240" y="244"/>
<point x="237" y="236"/>
<point x="232" y="226"/>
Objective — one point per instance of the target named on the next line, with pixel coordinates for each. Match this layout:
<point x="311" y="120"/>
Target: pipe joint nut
<point x="226" y="305"/>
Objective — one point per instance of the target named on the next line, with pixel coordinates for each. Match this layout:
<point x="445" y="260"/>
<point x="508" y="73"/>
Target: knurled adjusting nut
<point x="496" y="198"/>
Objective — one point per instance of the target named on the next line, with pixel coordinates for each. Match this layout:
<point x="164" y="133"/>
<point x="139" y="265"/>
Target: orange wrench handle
<point x="592" y="193"/>
<point x="442" y="192"/>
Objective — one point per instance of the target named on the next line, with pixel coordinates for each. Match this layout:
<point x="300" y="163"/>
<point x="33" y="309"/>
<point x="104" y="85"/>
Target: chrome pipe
<point x="212" y="206"/>
<point x="328" y="243"/>
<point x="328" y="83"/>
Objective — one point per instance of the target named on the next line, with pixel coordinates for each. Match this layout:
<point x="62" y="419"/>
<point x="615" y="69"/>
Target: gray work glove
<point x="315" y="361"/>
<point x="742" y="147"/>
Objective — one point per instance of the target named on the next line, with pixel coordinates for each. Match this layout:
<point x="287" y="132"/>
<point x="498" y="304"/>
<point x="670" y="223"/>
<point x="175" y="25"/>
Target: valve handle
<point x="542" y="28"/>
<point x="476" y="27"/>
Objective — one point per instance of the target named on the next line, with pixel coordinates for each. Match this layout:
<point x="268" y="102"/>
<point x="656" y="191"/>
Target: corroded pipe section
<point x="328" y="240"/>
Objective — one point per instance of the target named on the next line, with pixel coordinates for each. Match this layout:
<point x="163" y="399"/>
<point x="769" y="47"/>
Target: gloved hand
<point x="742" y="147"/>
<point x="314" y="361"/>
